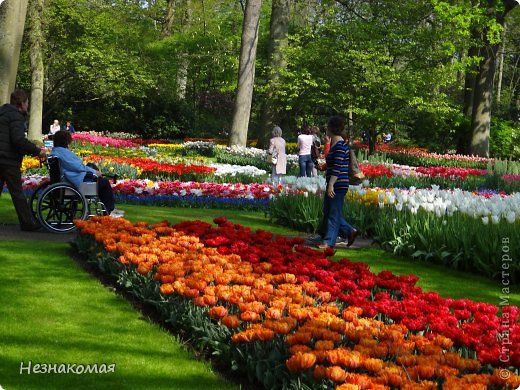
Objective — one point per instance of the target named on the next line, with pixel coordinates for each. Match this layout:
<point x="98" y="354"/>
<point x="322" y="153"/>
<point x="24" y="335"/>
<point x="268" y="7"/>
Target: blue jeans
<point x="306" y="165"/>
<point x="335" y="222"/>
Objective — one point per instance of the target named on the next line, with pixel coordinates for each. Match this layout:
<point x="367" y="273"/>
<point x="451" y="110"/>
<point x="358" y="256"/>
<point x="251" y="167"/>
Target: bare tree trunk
<point x="168" y="21"/>
<point x="483" y="95"/>
<point x="36" y="40"/>
<point x="12" y="22"/>
<point x="182" y="71"/>
<point x="277" y="41"/>
<point x="501" y="64"/>
<point x="463" y="136"/>
<point x="246" y="74"/>
<point x="482" y="102"/>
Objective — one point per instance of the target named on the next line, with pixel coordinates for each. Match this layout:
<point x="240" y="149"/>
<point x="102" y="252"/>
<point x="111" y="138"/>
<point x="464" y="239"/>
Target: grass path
<point x="52" y="311"/>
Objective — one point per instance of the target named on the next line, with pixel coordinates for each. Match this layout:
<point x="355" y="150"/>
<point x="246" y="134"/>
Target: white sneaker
<point x="116" y="213"/>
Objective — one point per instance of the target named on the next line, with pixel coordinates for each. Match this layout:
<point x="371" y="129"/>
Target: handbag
<point x="273" y="158"/>
<point x="355" y="175"/>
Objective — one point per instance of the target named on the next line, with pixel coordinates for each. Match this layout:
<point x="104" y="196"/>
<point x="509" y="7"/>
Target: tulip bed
<point x="475" y="233"/>
<point x="285" y="315"/>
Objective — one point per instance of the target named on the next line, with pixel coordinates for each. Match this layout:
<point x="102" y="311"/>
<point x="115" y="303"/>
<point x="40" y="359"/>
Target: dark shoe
<point x="315" y="238"/>
<point x="352" y="237"/>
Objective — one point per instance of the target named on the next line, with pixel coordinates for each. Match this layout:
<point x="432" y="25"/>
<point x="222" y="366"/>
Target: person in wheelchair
<point x="75" y="172"/>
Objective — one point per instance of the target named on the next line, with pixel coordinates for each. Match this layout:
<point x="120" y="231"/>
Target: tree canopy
<point x="390" y="66"/>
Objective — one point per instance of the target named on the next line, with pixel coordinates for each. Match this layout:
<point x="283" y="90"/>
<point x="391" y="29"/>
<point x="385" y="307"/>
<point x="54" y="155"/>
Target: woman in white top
<point x="277" y="148"/>
<point x="304" y="144"/>
<point x="55" y="127"/>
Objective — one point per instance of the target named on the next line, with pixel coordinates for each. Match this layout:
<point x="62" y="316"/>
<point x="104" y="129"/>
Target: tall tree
<point x="279" y="27"/>
<point x="182" y="71"/>
<point x="36" y="41"/>
<point x="12" y="22"/>
<point x="246" y="73"/>
<point x="168" y="20"/>
<point x="483" y="90"/>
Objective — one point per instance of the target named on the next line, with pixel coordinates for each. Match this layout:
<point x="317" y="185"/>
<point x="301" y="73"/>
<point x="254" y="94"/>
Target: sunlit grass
<point x="52" y="311"/>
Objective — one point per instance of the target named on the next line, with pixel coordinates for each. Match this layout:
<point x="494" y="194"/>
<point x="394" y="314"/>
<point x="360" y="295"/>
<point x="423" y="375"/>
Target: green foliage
<point x="299" y="212"/>
<point x="502" y="141"/>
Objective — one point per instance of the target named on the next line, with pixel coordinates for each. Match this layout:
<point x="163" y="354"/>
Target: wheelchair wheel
<point x="59" y="205"/>
<point x="33" y="200"/>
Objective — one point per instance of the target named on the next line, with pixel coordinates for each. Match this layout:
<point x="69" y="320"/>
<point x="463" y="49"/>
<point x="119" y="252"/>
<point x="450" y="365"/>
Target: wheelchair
<point x="57" y="203"/>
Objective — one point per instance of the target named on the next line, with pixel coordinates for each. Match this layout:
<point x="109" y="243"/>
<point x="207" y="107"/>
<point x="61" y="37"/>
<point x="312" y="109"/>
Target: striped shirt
<point x="338" y="160"/>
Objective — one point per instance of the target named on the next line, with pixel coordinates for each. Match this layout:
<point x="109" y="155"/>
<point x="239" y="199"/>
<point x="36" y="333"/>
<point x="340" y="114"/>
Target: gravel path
<point x="13" y="233"/>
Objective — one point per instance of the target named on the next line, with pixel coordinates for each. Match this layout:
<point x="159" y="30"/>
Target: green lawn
<point x="52" y="311"/>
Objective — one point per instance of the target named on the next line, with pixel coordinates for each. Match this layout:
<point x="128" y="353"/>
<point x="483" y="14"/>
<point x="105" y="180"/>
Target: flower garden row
<point x="433" y="224"/>
<point x="283" y="314"/>
<point x="134" y="159"/>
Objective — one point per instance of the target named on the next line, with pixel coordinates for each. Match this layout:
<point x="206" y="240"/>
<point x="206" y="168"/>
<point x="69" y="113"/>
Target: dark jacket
<point x="13" y="144"/>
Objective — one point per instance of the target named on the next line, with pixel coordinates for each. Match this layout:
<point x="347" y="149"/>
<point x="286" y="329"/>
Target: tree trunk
<point x="12" y="22"/>
<point x="36" y="40"/>
<point x="501" y="64"/>
<point x="182" y="71"/>
<point x="463" y="136"/>
<point x="246" y="74"/>
<point x="168" y="20"/>
<point x="482" y="102"/>
<point x="277" y="41"/>
<point x="483" y="95"/>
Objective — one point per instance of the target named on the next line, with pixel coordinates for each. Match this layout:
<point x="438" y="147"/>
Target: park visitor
<point x="13" y="146"/>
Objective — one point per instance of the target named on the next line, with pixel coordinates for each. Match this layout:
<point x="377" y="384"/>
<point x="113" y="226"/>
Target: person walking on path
<point x="13" y="146"/>
<point x="337" y="184"/>
<point x="277" y="149"/>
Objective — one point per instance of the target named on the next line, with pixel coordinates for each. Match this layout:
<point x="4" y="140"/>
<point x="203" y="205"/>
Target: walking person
<point x="13" y="146"/>
<point x="304" y="144"/>
<point x="277" y="150"/>
<point x="337" y="182"/>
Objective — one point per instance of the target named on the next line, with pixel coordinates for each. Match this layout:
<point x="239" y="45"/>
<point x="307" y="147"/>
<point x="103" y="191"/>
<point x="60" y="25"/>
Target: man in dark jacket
<point x="13" y="146"/>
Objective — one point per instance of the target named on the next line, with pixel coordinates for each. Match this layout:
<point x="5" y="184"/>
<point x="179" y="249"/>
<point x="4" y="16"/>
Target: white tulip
<point x="511" y="217"/>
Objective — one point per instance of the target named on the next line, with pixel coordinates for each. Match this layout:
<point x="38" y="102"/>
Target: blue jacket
<point x="72" y="167"/>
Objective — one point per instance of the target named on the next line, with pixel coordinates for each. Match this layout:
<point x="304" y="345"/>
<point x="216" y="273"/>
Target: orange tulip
<point x="218" y="312"/>
<point x="323" y="345"/>
<point x="167" y="289"/>
<point x="301" y="362"/>
<point x="336" y="374"/>
<point x="231" y="321"/>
